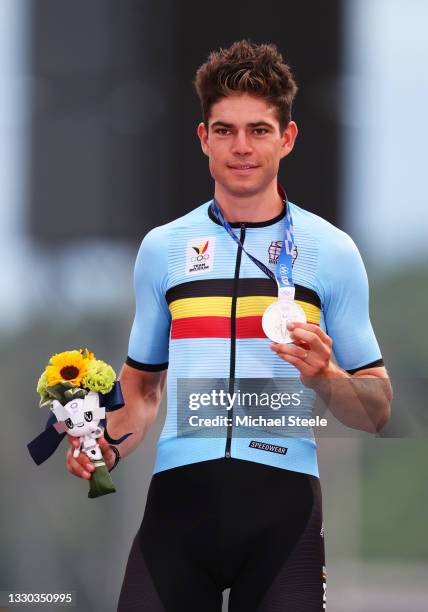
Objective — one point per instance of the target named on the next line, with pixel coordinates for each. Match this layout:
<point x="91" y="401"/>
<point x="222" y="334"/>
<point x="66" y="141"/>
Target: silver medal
<point x="277" y="315"/>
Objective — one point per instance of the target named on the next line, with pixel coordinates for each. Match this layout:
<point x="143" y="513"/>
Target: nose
<point x="241" y="144"/>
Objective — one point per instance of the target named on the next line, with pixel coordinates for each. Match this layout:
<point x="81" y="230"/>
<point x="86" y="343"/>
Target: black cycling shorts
<point x="228" y="523"/>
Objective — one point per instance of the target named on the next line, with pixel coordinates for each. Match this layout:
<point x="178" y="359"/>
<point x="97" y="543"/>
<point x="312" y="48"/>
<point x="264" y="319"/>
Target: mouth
<point x="242" y="168"/>
<point x="80" y="424"/>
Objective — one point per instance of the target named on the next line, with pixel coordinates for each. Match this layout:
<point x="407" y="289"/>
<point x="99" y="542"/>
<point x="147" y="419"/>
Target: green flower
<point x="42" y="387"/>
<point x="99" y="376"/>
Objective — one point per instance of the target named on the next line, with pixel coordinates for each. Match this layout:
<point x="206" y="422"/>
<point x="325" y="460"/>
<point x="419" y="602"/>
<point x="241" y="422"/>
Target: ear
<point x="289" y="136"/>
<point x="91" y="401"/>
<point x="203" y="137"/>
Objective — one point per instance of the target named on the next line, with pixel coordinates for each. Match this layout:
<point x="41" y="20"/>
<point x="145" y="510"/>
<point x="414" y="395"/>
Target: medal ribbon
<point x="283" y="272"/>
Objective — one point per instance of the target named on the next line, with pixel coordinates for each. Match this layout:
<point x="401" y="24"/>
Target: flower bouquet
<point x="78" y="389"/>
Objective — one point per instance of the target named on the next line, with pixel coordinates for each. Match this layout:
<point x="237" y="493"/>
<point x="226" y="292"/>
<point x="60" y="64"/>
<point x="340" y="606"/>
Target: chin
<point x="242" y="189"/>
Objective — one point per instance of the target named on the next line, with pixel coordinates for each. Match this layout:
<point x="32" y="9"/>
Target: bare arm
<point x="142" y="393"/>
<point x="361" y="401"/>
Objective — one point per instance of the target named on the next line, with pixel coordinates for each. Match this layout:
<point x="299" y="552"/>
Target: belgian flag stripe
<point x="221" y="307"/>
<point x="247" y="287"/>
<point x="216" y="327"/>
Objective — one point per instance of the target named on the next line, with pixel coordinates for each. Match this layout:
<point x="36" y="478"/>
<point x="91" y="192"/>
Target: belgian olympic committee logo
<point x="202" y="255"/>
<point x="275" y="249"/>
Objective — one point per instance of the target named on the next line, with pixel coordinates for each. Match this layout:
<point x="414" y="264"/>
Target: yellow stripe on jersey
<point x="215" y="306"/>
<point x="219" y="306"/>
<point x="251" y="306"/>
<point x="313" y="313"/>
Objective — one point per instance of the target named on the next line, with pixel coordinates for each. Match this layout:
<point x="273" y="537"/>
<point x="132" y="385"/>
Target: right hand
<point x="82" y="466"/>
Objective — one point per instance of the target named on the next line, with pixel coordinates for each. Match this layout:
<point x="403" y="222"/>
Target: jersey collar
<point x="256" y="223"/>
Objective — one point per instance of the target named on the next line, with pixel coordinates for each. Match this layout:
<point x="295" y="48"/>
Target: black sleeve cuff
<point x="147" y="367"/>
<point x="374" y="364"/>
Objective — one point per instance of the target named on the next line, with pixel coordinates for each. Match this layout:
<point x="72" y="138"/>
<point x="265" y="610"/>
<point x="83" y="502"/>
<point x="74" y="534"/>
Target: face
<point x="80" y="422"/>
<point x="80" y="416"/>
<point x="244" y="144"/>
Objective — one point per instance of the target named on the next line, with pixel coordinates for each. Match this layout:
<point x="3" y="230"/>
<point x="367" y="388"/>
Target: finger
<point x="104" y="445"/>
<point x="106" y="451"/>
<point x="77" y="469"/>
<point x="73" y="441"/>
<point x="316" y="329"/>
<point x="84" y="461"/>
<point x="304" y="345"/>
<point x="290" y="349"/>
<point x="81" y="466"/>
<point x="297" y="362"/>
<point x="311" y="338"/>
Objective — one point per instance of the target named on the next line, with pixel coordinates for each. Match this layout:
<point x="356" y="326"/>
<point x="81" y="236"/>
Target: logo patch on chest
<point x="200" y="255"/>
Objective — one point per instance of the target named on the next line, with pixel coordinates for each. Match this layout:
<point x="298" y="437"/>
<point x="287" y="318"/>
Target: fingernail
<point x="90" y="467"/>
<point x="290" y="326"/>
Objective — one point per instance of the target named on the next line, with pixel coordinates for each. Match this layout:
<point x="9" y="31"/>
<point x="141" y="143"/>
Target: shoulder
<point x="156" y="241"/>
<point x="331" y="240"/>
<point x="154" y="252"/>
<point x="339" y="268"/>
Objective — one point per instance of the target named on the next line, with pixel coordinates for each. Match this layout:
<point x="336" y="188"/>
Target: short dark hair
<point x="246" y="67"/>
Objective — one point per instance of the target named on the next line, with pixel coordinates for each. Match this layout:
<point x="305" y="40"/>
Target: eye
<point x="222" y="131"/>
<point x="260" y="131"/>
<point x="88" y="416"/>
<point x="69" y="423"/>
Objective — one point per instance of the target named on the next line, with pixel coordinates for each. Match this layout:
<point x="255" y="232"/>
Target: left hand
<point x="310" y="352"/>
<point x="82" y="466"/>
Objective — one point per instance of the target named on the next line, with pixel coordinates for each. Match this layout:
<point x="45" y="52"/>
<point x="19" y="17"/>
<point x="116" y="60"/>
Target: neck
<point x="261" y="206"/>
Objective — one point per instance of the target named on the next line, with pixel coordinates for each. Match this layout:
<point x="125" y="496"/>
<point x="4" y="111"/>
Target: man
<point x="225" y="510"/>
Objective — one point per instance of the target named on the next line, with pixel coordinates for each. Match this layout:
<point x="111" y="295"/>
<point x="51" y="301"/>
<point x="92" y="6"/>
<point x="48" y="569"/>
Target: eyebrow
<point x="254" y="124"/>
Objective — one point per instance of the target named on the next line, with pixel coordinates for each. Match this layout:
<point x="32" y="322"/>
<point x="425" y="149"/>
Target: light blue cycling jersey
<point x="199" y="304"/>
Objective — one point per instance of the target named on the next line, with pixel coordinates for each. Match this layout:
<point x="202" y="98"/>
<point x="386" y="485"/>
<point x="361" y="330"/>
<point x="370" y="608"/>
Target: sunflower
<point x="69" y="366"/>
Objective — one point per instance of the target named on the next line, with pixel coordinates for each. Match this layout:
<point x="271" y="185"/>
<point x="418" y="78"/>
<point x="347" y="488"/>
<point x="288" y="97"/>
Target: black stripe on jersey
<point x="374" y="364"/>
<point x="148" y="367"/>
<point x="247" y="287"/>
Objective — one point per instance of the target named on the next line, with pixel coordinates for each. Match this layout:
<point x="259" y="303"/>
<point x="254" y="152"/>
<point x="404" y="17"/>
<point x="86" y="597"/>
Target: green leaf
<point x="59" y="391"/>
<point x="74" y="392"/>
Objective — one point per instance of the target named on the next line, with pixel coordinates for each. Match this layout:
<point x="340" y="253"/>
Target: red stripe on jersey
<point x="200" y="327"/>
<point x="217" y="327"/>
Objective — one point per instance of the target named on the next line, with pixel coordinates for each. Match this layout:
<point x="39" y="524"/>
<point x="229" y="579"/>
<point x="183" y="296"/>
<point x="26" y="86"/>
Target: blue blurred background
<point x="97" y="145"/>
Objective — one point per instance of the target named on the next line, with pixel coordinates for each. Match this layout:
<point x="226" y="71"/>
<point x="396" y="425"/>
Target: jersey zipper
<point x="227" y="453"/>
